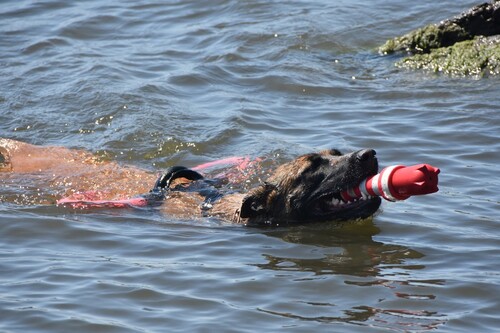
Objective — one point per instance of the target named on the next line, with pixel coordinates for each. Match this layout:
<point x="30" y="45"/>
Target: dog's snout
<point x="365" y="154"/>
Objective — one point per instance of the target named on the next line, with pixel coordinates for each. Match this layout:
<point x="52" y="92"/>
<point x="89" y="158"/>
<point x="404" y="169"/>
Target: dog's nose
<point x="365" y="154"/>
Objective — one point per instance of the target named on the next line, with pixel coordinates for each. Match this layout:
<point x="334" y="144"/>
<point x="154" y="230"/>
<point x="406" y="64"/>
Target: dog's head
<point x="308" y="190"/>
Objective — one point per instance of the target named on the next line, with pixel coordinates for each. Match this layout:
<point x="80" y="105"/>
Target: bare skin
<point x="303" y="190"/>
<point x="73" y="170"/>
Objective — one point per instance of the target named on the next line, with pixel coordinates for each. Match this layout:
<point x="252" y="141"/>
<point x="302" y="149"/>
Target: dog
<point x="304" y="190"/>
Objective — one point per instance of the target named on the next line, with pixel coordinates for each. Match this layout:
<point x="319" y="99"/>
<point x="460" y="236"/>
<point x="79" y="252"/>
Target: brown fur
<point x="297" y="192"/>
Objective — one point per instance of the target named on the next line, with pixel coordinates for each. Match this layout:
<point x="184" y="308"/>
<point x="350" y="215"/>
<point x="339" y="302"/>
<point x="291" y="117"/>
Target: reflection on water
<point x="349" y="251"/>
<point x="363" y="315"/>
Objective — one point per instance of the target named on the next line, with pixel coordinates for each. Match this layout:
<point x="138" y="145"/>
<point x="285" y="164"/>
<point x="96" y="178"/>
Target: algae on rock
<point x="455" y="46"/>
<point x="425" y="39"/>
<point x="480" y="56"/>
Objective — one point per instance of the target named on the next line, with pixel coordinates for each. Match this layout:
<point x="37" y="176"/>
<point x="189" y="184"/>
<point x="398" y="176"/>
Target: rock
<point x="479" y="56"/>
<point x="481" y="20"/>
<point x="455" y="46"/>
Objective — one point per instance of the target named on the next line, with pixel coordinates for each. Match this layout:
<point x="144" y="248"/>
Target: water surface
<point x="155" y="84"/>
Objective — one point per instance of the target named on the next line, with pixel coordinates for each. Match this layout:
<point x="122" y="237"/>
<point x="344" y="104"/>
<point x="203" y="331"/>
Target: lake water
<point x="155" y="84"/>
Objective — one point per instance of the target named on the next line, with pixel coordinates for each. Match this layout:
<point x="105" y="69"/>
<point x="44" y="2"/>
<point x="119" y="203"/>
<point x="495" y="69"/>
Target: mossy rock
<point x="425" y="39"/>
<point x="481" y="20"/>
<point x="456" y="46"/>
<point x="480" y="56"/>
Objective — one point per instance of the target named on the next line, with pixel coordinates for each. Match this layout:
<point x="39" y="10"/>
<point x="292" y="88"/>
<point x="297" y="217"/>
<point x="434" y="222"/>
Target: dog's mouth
<point x="332" y="205"/>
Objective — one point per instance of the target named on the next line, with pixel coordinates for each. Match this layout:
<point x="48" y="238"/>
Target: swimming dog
<point x="306" y="189"/>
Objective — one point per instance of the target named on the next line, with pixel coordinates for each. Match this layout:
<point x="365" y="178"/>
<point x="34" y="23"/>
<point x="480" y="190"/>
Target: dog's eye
<point x="335" y="152"/>
<point x="315" y="161"/>
<point x="330" y="152"/>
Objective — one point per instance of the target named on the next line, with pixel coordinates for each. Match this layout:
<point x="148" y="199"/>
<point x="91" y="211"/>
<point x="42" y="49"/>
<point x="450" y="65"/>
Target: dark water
<point x="184" y="82"/>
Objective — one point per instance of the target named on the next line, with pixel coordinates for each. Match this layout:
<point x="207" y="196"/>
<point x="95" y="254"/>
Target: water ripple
<point x="186" y="82"/>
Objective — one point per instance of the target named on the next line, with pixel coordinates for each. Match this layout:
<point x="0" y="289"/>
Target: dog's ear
<point x="257" y="201"/>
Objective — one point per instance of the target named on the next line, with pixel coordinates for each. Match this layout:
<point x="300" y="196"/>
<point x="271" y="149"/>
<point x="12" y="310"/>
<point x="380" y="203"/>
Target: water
<point x="186" y="82"/>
